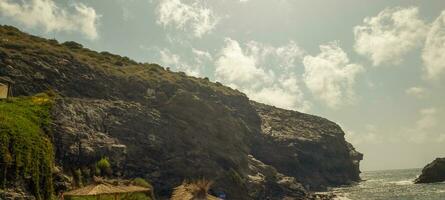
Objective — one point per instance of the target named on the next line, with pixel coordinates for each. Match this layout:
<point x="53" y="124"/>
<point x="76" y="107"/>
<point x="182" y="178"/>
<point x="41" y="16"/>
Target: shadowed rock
<point x="433" y="172"/>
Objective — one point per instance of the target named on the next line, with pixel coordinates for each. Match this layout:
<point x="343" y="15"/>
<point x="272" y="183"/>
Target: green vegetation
<point x="17" y="44"/>
<point x="26" y="151"/>
<point x="104" y="167"/>
<point x="141" y="182"/>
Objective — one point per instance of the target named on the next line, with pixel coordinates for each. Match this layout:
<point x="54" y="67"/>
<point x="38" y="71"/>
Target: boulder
<point x="433" y="172"/>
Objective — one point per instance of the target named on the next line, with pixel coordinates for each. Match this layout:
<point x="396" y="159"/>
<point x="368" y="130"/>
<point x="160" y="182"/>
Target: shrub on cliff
<point x="104" y="167"/>
<point x="26" y="151"/>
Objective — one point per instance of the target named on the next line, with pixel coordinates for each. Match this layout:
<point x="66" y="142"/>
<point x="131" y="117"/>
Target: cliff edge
<point x="165" y="126"/>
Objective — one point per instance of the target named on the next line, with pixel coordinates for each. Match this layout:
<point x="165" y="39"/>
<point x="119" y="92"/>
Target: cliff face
<point x="167" y="127"/>
<point x="308" y="147"/>
<point x="433" y="172"/>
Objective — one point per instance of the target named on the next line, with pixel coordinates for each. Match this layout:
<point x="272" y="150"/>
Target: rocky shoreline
<point x="434" y="172"/>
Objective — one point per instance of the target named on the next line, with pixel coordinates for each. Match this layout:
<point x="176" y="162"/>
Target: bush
<point x="104" y="166"/>
<point x="72" y="45"/>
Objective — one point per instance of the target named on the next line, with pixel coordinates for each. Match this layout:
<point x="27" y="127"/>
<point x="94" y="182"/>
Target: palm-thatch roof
<point x="133" y="188"/>
<point x="95" y="189"/>
<point x="104" y="189"/>
<point x="193" y="191"/>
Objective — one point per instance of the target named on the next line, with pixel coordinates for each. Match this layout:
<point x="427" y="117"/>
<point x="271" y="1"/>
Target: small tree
<point x="104" y="167"/>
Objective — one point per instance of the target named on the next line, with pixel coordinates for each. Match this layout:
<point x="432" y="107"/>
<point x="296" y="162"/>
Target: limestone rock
<point x="307" y="147"/>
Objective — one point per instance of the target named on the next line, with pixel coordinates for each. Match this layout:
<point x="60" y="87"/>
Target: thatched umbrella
<point x="193" y="191"/>
<point x="105" y="189"/>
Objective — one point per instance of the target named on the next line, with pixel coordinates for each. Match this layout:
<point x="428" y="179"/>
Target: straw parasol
<point x="99" y="189"/>
<point x="193" y="191"/>
<point x="133" y="188"/>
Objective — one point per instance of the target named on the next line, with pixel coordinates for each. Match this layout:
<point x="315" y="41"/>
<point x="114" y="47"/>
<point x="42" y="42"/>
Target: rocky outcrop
<point x="307" y="147"/>
<point x="433" y="172"/>
<point x="166" y="127"/>
<point x="264" y="180"/>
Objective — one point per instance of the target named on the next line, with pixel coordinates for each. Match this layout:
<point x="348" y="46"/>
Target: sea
<point x="391" y="185"/>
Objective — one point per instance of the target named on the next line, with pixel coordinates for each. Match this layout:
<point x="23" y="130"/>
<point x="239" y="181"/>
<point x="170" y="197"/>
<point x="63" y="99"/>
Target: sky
<point x="377" y="69"/>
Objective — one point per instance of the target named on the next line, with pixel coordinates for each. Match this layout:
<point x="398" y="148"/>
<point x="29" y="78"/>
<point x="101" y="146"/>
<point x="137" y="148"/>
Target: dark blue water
<point x="391" y="185"/>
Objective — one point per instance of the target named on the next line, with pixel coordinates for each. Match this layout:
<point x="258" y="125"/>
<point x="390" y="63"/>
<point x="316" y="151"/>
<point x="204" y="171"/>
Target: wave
<point x="403" y="182"/>
<point x="341" y="198"/>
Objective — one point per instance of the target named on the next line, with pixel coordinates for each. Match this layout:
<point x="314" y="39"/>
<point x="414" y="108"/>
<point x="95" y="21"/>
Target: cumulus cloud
<point x="201" y="56"/>
<point x="46" y="14"/>
<point x="192" y="68"/>
<point x="433" y="53"/>
<point x="192" y="16"/>
<point x="390" y="35"/>
<point x="330" y="76"/>
<point x="236" y="68"/>
<point x="370" y="134"/>
<point x="249" y="69"/>
<point x="418" y="92"/>
<point x="283" y="56"/>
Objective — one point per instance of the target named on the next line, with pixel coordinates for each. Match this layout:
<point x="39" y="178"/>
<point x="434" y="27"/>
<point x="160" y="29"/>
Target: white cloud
<point x="250" y="70"/>
<point x="387" y="37"/>
<point x="192" y="16"/>
<point x="46" y="14"/>
<point x="170" y="59"/>
<point x="370" y="135"/>
<point x="285" y="94"/>
<point x="330" y="76"/>
<point x="433" y="53"/>
<point x="418" y="92"/>
<point x="201" y="56"/>
<point x="236" y="68"/>
<point x="284" y="56"/>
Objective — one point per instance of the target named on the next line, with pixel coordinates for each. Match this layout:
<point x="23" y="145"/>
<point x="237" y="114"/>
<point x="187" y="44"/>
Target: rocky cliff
<point x="433" y="172"/>
<point x="308" y="147"/>
<point x="166" y="127"/>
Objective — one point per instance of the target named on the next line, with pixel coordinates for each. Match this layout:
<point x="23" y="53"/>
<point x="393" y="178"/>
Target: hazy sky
<point x="377" y="69"/>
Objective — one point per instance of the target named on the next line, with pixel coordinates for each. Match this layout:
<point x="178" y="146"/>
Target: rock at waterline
<point x="433" y="172"/>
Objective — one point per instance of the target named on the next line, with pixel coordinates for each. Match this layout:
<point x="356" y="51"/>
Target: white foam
<point x="341" y="198"/>
<point x="403" y="182"/>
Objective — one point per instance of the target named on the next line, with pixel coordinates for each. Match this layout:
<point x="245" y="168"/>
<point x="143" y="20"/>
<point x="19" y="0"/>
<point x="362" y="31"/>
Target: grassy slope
<point x="18" y="44"/>
<point x="25" y="144"/>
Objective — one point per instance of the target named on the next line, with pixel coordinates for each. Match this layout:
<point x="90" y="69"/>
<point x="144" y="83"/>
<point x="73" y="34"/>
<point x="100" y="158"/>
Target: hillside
<point x="165" y="126"/>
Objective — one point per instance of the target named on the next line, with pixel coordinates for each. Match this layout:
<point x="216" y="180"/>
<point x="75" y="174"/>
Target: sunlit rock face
<point x="433" y="172"/>
<point x="166" y="127"/>
<point x="310" y="148"/>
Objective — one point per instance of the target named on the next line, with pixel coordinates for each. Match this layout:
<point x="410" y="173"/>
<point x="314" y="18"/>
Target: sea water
<point x="391" y="185"/>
